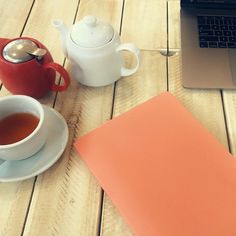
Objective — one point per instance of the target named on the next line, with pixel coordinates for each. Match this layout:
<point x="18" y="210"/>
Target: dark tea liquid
<point x="16" y="127"/>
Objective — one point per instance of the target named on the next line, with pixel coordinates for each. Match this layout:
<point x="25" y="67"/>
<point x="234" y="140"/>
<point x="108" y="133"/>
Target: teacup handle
<point x="133" y="49"/>
<point x="64" y="74"/>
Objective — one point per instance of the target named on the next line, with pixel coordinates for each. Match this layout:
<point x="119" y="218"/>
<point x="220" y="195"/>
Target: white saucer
<point x="52" y="150"/>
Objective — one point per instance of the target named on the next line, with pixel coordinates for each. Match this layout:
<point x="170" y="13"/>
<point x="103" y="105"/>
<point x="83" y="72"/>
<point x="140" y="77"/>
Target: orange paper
<point x="166" y="174"/>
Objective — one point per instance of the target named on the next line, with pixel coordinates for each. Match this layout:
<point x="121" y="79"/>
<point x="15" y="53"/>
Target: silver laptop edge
<point x="205" y="67"/>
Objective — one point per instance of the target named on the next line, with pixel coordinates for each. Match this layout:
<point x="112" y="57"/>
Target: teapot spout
<point x="58" y="24"/>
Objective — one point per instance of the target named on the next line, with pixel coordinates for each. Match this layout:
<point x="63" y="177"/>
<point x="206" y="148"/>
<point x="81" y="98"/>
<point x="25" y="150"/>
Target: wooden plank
<point x="229" y="98"/>
<point x="145" y="24"/>
<point x="14" y="197"/>
<point x="13" y="15"/>
<point x="173" y="21"/>
<point x="113" y="223"/>
<point x="67" y="198"/>
<point x="205" y="105"/>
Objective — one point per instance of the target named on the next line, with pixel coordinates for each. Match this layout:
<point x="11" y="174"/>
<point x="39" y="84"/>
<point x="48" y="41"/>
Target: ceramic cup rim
<point x="41" y="117"/>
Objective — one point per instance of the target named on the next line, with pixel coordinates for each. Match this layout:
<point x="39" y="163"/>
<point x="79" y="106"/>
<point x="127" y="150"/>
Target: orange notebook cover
<point x="165" y="173"/>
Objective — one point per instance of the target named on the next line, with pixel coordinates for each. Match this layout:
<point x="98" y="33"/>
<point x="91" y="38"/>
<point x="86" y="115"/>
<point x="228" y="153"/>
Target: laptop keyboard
<point x="217" y="31"/>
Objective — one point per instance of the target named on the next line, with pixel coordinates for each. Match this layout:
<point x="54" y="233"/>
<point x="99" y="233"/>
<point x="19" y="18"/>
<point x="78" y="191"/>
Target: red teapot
<point x="27" y="67"/>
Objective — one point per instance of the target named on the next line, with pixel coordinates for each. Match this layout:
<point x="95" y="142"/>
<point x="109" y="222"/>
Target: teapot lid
<point x="22" y="50"/>
<point x="90" y="32"/>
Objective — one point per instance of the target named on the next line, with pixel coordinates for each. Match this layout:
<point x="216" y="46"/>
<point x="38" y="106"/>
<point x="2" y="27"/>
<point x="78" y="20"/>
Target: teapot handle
<point x="64" y="74"/>
<point x="133" y="49"/>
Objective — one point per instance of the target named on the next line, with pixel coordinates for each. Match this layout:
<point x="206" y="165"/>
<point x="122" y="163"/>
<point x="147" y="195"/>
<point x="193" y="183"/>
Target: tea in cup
<point x="23" y="129"/>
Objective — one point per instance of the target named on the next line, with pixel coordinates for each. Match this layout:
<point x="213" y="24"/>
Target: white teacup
<point x="32" y="143"/>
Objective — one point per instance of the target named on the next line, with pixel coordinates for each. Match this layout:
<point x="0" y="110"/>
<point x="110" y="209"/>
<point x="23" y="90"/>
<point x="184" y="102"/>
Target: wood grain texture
<point x="113" y="223"/>
<point x="14" y="198"/>
<point x="145" y="24"/>
<point x="229" y="99"/>
<point x="67" y="198"/>
<point x="13" y="15"/>
<point x="174" y="24"/>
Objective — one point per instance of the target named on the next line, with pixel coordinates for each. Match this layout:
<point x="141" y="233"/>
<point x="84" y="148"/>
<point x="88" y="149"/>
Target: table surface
<point x="66" y="199"/>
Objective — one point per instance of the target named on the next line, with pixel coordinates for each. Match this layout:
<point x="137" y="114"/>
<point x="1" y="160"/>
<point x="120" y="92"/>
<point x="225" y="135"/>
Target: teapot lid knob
<point x="90" y="21"/>
<point x="90" y="32"/>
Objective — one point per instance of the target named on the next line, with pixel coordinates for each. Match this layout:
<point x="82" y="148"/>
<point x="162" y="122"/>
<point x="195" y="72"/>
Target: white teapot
<point x="92" y="48"/>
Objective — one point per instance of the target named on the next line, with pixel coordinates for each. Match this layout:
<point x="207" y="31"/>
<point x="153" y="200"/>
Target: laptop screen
<point x="209" y="4"/>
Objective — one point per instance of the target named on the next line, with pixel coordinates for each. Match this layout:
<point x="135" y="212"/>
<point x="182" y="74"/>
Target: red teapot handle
<point x="64" y="74"/>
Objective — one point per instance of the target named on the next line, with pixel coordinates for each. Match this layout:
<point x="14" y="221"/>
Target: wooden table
<point x="66" y="199"/>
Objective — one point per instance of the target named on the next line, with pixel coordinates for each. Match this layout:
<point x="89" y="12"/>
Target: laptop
<point x="208" y="41"/>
